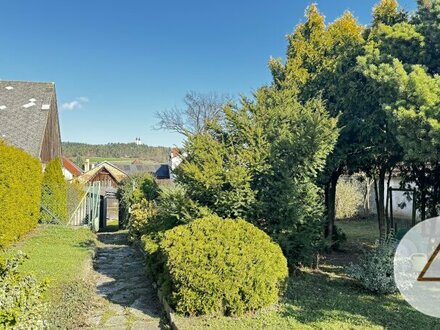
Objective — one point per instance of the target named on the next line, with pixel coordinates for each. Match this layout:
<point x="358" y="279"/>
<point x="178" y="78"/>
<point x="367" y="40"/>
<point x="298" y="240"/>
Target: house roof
<point x="113" y="170"/>
<point x="160" y="171"/>
<point x="71" y="167"/>
<point x="24" y="109"/>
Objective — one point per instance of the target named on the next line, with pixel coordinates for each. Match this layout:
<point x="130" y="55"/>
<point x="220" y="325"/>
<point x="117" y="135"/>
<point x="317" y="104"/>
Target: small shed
<point x="106" y="173"/>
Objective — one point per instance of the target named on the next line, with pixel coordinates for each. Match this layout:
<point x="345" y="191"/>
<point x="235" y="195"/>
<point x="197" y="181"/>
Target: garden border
<point x="169" y="312"/>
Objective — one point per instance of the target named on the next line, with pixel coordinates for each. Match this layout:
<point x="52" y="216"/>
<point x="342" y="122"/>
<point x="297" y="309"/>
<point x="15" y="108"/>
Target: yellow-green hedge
<point x="54" y="193"/>
<point x="20" y="192"/>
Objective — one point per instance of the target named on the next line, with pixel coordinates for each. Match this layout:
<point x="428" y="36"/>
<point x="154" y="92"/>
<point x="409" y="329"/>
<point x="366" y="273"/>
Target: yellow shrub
<point x="20" y="193"/>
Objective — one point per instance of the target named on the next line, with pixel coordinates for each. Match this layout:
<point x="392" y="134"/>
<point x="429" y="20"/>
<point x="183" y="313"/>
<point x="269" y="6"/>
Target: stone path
<point x="126" y="297"/>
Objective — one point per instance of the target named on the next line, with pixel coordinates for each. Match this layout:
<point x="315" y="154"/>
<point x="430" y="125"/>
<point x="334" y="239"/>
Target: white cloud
<point x="75" y="104"/>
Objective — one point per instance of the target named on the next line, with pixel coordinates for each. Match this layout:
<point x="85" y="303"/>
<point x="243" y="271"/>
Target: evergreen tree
<point x="54" y="193"/>
<point x="321" y="60"/>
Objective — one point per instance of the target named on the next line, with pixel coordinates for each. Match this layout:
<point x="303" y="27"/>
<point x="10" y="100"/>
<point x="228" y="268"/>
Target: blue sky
<point x="116" y="63"/>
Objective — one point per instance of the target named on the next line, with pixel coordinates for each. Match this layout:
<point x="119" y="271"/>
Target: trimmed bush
<point x="375" y="270"/>
<point x="21" y="305"/>
<point x="20" y="193"/>
<point x="223" y="267"/>
<point x="54" y="193"/>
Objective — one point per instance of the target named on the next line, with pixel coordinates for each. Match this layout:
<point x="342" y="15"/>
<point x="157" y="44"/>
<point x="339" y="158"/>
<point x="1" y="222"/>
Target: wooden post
<point x="414" y="208"/>
<point x="391" y="207"/>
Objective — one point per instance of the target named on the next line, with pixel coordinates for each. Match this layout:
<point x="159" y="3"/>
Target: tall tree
<point x="428" y="24"/>
<point x="409" y="96"/>
<point x="262" y="163"/>
<point x="321" y="60"/>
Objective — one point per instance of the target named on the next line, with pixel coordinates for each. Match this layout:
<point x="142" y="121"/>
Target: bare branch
<point x="200" y="109"/>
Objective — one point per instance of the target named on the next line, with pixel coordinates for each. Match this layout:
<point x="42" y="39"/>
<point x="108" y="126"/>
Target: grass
<point x="327" y="298"/>
<point x="55" y="253"/>
<point x="112" y="225"/>
<point x="60" y="256"/>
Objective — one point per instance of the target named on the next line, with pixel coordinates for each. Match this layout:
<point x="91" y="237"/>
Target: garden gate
<point x="88" y="210"/>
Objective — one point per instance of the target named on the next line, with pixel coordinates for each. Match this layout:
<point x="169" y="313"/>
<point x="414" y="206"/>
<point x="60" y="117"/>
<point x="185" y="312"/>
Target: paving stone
<point x="121" y="279"/>
<point x="116" y="321"/>
<point x="145" y="325"/>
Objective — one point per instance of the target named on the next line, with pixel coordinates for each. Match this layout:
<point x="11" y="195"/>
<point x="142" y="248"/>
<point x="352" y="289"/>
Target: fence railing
<point x="88" y="209"/>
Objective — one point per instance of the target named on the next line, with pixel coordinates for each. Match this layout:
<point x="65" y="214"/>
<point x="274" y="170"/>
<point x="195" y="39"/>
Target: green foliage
<point x="261" y="163"/>
<point x="428" y="24"/>
<point x="349" y="199"/>
<point x="142" y="214"/>
<point x="21" y="304"/>
<point x="176" y="208"/>
<point x="388" y="12"/>
<point x="20" y="193"/>
<point x="223" y="267"/>
<point x="154" y="258"/>
<point x="172" y="208"/>
<point x="54" y="193"/>
<point x="79" y="151"/>
<point x="213" y="175"/>
<point x="374" y="270"/>
<point x="132" y="190"/>
<point x="70" y="303"/>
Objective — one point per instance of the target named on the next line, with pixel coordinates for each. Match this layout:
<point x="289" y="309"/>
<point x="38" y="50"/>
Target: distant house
<point x="70" y="170"/>
<point x="106" y="173"/>
<point x="29" y="118"/>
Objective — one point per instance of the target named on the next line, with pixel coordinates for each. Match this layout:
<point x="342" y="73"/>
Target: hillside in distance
<point x="78" y="152"/>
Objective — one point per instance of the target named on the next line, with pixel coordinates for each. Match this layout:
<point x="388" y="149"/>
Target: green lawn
<point x="56" y="253"/>
<point x="60" y="256"/>
<point x="327" y="298"/>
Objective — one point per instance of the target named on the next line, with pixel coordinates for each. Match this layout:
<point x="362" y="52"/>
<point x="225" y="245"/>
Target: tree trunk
<point x="379" y="189"/>
<point x="368" y="184"/>
<point x="330" y="190"/>
<point x="387" y="205"/>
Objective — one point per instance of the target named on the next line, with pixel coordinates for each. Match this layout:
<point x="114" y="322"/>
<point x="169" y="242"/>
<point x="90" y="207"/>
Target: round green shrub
<point x="223" y="267"/>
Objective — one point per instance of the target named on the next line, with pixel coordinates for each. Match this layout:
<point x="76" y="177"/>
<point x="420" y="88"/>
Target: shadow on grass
<point x="315" y="296"/>
<point x="88" y="244"/>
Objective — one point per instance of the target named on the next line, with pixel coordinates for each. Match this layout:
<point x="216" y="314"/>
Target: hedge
<point x="54" y="192"/>
<point x="216" y="266"/>
<point x="20" y="193"/>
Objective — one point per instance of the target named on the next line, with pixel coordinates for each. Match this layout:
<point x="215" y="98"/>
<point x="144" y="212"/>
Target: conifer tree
<point x="54" y="193"/>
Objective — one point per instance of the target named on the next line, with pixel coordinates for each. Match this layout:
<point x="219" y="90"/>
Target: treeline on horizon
<point x="78" y="152"/>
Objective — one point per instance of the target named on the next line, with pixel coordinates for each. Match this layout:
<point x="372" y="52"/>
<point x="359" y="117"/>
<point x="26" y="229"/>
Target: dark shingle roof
<point x="160" y="171"/>
<point x="24" y="108"/>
